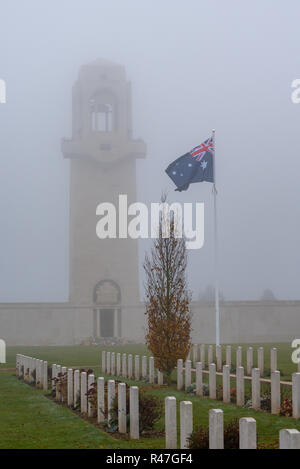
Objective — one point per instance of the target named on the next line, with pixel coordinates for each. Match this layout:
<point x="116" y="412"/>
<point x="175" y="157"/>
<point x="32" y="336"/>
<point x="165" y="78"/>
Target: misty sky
<point x="194" y="66"/>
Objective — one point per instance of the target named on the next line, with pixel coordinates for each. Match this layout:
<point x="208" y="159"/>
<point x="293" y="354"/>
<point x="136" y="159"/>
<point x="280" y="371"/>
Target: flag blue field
<point x="195" y="166"/>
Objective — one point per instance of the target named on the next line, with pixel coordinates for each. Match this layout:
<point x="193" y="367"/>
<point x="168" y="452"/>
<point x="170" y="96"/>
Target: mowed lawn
<point x="83" y="356"/>
<point x="28" y="419"/>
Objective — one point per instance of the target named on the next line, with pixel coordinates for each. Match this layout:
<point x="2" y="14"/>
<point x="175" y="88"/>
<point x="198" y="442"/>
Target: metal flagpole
<point x="216" y="243"/>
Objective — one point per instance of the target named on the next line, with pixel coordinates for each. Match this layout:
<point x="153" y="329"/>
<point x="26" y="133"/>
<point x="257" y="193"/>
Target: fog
<point x="194" y="66"/>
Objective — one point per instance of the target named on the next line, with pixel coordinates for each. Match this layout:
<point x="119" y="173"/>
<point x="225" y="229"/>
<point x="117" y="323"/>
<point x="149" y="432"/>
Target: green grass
<point x="69" y="355"/>
<point x="30" y="420"/>
<point x="91" y="355"/>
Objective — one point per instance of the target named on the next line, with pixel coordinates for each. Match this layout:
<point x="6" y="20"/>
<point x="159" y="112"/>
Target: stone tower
<point x="102" y="154"/>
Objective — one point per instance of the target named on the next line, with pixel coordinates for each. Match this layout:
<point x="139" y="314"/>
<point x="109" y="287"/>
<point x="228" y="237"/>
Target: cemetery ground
<point x="29" y="419"/>
<point x="83" y="356"/>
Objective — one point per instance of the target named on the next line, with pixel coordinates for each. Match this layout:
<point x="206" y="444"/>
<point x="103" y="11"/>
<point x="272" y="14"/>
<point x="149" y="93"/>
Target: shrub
<point x="219" y="392"/>
<point x="92" y="398"/>
<point x="191" y="389"/>
<point x="61" y="383"/>
<point x="199" y="438"/>
<point x="233" y="395"/>
<point x="205" y="389"/>
<point x="150" y="410"/>
<point x="265" y="402"/>
<point x="286" y="409"/>
<point x="231" y="435"/>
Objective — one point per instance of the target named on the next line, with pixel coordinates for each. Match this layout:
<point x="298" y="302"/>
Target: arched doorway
<point x="107" y="311"/>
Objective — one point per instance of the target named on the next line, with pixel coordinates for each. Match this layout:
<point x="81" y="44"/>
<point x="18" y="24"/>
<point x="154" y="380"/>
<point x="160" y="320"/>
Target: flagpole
<point x="216" y="243"/>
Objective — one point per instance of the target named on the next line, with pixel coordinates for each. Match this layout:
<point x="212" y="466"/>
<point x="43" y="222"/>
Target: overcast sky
<point x="194" y="65"/>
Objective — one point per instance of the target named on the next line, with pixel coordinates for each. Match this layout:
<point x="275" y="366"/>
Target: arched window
<point x="103" y="112"/>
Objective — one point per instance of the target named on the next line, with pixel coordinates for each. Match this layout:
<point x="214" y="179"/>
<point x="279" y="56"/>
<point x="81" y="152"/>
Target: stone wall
<point x="66" y="324"/>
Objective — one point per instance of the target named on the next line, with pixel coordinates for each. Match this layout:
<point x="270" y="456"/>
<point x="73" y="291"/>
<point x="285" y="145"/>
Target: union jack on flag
<point x="195" y="166"/>
<point x="199" y="151"/>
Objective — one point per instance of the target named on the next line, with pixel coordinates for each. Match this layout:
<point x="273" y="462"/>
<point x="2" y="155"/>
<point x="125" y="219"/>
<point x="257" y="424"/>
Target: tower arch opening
<point x="107" y="310"/>
<point x="103" y="111"/>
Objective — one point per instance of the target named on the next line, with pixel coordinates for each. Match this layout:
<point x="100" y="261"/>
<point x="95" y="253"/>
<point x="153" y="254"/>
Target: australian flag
<point x="195" y="166"/>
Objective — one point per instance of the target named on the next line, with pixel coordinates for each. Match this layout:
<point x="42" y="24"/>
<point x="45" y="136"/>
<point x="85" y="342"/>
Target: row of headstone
<point x="199" y="354"/>
<point x="184" y="380"/>
<point x="78" y="384"/>
<point x="32" y="370"/>
<point x="127" y="366"/>
<point x="288" y="438"/>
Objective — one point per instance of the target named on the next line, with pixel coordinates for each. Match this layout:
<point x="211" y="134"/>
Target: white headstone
<point x="226" y="383"/>
<point x="83" y="391"/>
<point x="110" y="397"/>
<point x="76" y="388"/>
<point x="186" y="423"/>
<point x="228" y="356"/>
<point x="137" y="367"/>
<point x="144" y="366"/>
<point x="202" y="355"/>
<point x="296" y="395"/>
<point x="255" y="388"/>
<point x="273" y="359"/>
<point x="113" y="364"/>
<point x="260" y="360"/>
<point x="118" y="364"/>
<point x="108" y="369"/>
<point x="240" y="386"/>
<point x="45" y="376"/>
<point x="91" y="381"/>
<point x="151" y="370"/>
<point x="247" y="433"/>
<point x="249" y="360"/>
<point x="219" y="357"/>
<point x="134" y="412"/>
<point x="239" y="356"/>
<point x="216" y="429"/>
<point x="171" y="422"/>
<point x="212" y="381"/>
<point x="100" y="400"/>
<point x="70" y="387"/>
<point x="160" y="378"/>
<point x="124" y="365"/>
<point x="210" y="356"/>
<point x="188" y="373"/>
<point x="53" y="375"/>
<point x="122" y="422"/>
<point x="103" y="362"/>
<point x="179" y="374"/>
<point x="64" y="383"/>
<point x="199" y="383"/>
<point x="130" y="375"/>
<point x="289" y="439"/>
<point x="275" y="392"/>
<point x="195" y="354"/>
<point x="58" y="376"/>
